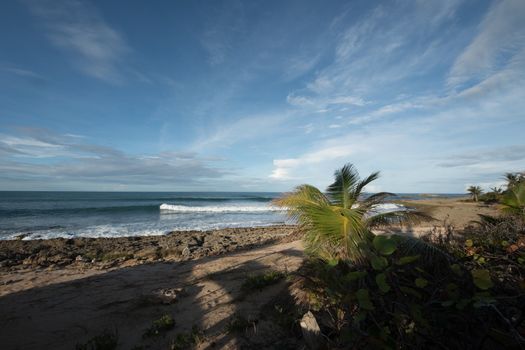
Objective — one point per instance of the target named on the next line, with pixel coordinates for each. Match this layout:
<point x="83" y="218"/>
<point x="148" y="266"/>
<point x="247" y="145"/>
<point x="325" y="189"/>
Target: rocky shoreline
<point x="103" y="253"/>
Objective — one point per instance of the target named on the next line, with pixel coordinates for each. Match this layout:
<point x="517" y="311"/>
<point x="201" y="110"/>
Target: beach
<point x="455" y="212"/>
<point x="67" y="290"/>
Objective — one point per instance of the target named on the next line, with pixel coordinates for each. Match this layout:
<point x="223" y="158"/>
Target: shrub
<point x="107" y="340"/>
<point x="401" y="301"/>
<point x="163" y="324"/>
<point x="260" y="281"/>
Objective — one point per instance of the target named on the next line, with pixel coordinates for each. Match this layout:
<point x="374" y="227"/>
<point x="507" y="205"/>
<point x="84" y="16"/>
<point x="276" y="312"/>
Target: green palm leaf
<point x="513" y="200"/>
<point x="359" y="187"/>
<point x="338" y="225"/>
<point x="340" y="192"/>
<point x="398" y="217"/>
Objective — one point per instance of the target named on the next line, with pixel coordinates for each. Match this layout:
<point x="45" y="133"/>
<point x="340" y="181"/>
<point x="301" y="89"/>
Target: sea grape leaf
<point x="453" y="291"/>
<point x="421" y="282"/>
<point x="363" y="298"/>
<point x="481" y="279"/>
<point x="407" y="259"/>
<point x="379" y="263"/>
<point x="456" y="269"/>
<point x="354" y="276"/>
<point x="384" y="245"/>
<point x="382" y="283"/>
<point x="463" y="303"/>
<point x="410" y="291"/>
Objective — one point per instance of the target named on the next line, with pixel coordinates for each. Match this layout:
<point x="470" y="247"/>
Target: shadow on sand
<point x="208" y="300"/>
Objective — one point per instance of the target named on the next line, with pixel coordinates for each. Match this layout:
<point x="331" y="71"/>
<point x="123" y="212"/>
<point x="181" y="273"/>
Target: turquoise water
<point x="111" y="214"/>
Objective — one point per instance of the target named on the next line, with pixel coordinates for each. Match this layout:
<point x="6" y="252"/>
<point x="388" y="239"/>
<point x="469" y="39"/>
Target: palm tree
<point x="514" y="178"/>
<point x="475" y="192"/>
<point x="338" y="223"/>
<point x="513" y="201"/>
<point x="496" y="190"/>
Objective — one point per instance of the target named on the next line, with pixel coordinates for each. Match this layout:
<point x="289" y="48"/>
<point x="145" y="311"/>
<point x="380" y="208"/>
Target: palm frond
<point x="339" y="191"/>
<point x="332" y="226"/>
<point x="358" y="189"/>
<point x="376" y="198"/>
<point x="513" y="200"/>
<point x="487" y="220"/>
<point x="302" y="196"/>
<point x="398" y="217"/>
<point x="428" y="252"/>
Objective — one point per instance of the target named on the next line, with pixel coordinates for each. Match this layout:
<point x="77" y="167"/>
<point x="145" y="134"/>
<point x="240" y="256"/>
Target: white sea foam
<point x="387" y="207"/>
<point x="133" y="230"/>
<point x="219" y="209"/>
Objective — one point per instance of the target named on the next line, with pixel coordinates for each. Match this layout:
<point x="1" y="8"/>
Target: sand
<point x="456" y="212"/>
<point x="65" y="309"/>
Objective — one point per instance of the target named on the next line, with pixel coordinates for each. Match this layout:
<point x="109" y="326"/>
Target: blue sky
<point x="260" y="95"/>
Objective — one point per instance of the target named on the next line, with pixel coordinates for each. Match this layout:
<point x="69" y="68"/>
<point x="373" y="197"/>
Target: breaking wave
<point x="218" y="209"/>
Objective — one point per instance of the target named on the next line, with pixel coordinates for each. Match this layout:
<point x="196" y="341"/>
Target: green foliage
<point x="159" y="326"/>
<point x="188" y="340"/>
<point x="363" y="298"/>
<point x="403" y="292"/>
<point x="475" y="192"/>
<point x="407" y="259"/>
<point x="513" y="200"/>
<point x="338" y="224"/>
<point x="384" y="245"/>
<point x="400" y="300"/>
<point x="421" y="282"/>
<point x="382" y="283"/>
<point x="378" y="262"/>
<point x="482" y="279"/>
<point x="260" y="281"/>
<point x="107" y="340"/>
<point x="239" y="324"/>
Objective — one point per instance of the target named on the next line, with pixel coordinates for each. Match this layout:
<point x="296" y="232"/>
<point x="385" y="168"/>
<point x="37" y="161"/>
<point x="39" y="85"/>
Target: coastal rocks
<point x="186" y="252"/>
<point x="169" y="295"/>
<point x="102" y="253"/>
<point x="311" y="331"/>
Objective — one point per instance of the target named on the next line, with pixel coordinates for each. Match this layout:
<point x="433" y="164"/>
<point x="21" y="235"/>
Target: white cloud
<point x="71" y="160"/>
<point x="286" y="169"/>
<point x="22" y="72"/>
<point x="225" y="135"/>
<point x="501" y="35"/>
<point x="78" y="29"/>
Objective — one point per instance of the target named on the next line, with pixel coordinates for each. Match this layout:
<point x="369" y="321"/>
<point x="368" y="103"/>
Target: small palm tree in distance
<point x="475" y="192"/>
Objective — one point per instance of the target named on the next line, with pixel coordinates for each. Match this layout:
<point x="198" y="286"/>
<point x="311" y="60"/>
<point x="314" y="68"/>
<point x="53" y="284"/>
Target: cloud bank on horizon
<point x="260" y="96"/>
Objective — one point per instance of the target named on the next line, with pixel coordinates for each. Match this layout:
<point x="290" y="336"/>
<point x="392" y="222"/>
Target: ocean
<point x="40" y="215"/>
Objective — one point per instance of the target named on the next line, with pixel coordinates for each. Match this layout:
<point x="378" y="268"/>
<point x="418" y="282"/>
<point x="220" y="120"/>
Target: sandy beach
<point x="455" y="212"/>
<point x="66" y="291"/>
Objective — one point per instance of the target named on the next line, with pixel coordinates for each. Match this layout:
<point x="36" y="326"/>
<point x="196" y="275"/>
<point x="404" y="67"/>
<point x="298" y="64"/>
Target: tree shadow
<point x="203" y="296"/>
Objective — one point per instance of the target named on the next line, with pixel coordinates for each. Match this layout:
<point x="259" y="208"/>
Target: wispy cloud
<point x="245" y="128"/>
<point x="499" y="158"/>
<point x="288" y="169"/>
<point x="26" y="73"/>
<point x="500" y="39"/>
<point x="78" y="29"/>
<point x="73" y="160"/>
<point x="219" y="38"/>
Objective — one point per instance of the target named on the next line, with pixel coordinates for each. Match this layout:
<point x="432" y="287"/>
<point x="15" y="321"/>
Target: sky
<point x="260" y="95"/>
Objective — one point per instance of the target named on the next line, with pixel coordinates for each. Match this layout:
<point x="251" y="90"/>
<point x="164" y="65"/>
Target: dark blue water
<point x="112" y="214"/>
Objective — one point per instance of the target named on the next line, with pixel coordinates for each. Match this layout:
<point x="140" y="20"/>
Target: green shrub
<point x="187" y="340"/>
<point x="260" y="281"/>
<point x="400" y="301"/>
<point x="107" y="340"/>
<point x="163" y="324"/>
